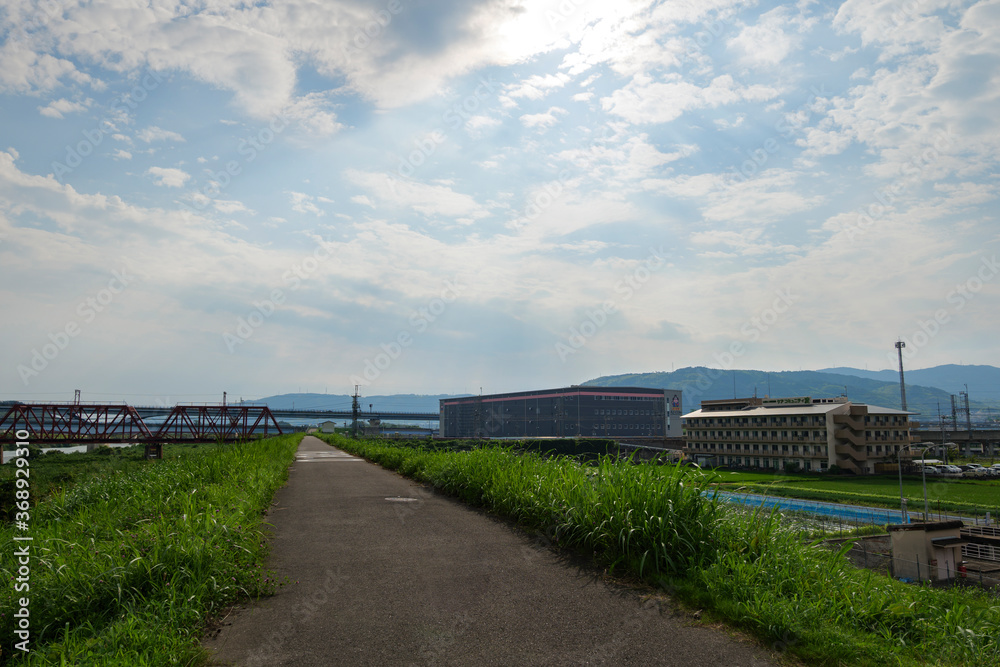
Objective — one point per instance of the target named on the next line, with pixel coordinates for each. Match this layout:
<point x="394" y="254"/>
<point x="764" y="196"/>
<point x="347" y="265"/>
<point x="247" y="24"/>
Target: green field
<point x="656" y="522"/>
<point x="953" y="495"/>
<point x="130" y="558"/>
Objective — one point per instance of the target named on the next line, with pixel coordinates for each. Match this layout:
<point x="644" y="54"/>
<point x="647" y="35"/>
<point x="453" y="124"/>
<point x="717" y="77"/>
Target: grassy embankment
<point x="976" y="496"/>
<point x="129" y="557"/>
<point x="654" y="521"/>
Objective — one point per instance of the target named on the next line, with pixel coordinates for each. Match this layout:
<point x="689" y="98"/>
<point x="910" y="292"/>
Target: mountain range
<point x="926" y="389"/>
<point x="872" y="387"/>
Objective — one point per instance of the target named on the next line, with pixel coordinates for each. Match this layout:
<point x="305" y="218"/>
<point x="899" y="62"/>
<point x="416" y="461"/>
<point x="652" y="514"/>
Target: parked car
<point x="951" y="470"/>
<point x="930" y="470"/>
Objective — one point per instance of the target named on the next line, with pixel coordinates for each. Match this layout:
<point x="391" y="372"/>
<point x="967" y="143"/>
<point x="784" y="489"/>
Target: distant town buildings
<point x="569" y="412"/>
<point x="810" y="434"/>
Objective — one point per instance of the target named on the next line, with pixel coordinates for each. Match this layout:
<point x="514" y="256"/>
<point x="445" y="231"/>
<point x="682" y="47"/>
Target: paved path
<point x="389" y="573"/>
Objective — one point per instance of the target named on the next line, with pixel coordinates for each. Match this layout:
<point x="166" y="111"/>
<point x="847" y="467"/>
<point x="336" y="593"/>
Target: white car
<point x="951" y="470"/>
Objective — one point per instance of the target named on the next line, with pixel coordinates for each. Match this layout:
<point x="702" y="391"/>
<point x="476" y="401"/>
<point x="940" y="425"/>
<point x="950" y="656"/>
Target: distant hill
<point x="983" y="381"/>
<point x="699" y="383"/>
<point x="395" y="402"/>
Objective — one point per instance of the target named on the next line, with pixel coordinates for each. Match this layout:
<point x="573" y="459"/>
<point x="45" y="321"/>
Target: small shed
<point x="930" y="551"/>
<point x="328" y="427"/>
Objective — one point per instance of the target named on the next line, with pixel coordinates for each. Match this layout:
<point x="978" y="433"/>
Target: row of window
<point x="601" y="397"/>
<point x="756" y="421"/>
<point x="815" y="449"/>
<point x="601" y="412"/>
<point x="874" y="420"/>
<point x="757" y="434"/>
<point x="695" y="434"/>
<point x="769" y="462"/>
<point x="603" y="428"/>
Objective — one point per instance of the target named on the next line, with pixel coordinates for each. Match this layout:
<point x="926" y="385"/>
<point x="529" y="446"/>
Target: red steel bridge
<point x="99" y="423"/>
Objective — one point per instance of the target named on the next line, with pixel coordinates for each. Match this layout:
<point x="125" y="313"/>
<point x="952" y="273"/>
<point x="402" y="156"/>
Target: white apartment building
<point x="813" y="434"/>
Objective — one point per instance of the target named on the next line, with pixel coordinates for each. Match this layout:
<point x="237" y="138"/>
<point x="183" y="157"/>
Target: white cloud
<point x="768" y="196"/>
<point x="543" y="120"/>
<point x="313" y="113"/>
<point x="536" y="87"/>
<point x="769" y="41"/>
<point x="430" y="200"/>
<point x="476" y="124"/>
<point x="729" y="124"/>
<point x="303" y="203"/>
<point x="121" y="154"/>
<point x="230" y="206"/>
<point x="646" y="101"/>
<point x="363" y="200"/>
<point x="154" y="133"/>
<point x="58" y="108"/>
<point x="168" y="176"/>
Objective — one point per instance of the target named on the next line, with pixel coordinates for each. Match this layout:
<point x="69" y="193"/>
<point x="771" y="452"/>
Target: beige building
<point x="927" y="551"/>
<point x="812" y="433"/>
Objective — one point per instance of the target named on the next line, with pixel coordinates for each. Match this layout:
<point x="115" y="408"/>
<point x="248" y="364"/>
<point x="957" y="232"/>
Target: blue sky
<point x="436" y="197"/>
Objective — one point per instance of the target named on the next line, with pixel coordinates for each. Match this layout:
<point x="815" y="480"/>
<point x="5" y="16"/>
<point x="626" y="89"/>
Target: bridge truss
<point x="98" y="423"/>
<point x="217" y="422"/>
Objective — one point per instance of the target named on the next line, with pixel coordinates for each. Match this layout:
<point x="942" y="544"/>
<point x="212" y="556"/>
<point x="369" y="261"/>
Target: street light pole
<point x="923" y="469"/>
<point x="899" y="467"/>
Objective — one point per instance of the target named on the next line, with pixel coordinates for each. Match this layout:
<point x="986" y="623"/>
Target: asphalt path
<point x="383" y="571"/>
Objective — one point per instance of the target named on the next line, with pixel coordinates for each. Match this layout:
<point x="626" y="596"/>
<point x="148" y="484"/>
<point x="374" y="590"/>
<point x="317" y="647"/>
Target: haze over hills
<point x="394" y="402"/>
<point x="700" y="383"/>
<point x="983" y="381"/>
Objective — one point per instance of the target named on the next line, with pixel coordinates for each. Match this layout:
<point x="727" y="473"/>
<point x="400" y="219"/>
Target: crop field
<point x="654" y="522"/>
<point x="973" y="495"/>
<point x="129" y="558"/>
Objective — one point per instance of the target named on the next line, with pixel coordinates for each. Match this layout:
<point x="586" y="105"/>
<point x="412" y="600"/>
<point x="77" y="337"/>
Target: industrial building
<point x="570" y="412"/>
<point x="811" y="433"/>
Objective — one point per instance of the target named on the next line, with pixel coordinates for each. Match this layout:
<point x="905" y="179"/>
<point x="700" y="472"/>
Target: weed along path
<point x="383" y="571"/>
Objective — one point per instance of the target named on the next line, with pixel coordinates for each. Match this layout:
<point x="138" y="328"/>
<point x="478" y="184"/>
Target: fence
<point x="874" y="553"/>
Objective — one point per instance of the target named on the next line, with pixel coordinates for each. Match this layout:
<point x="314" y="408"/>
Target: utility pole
<point x="941" y="427"/>
<point x="968" y="419"/>
<point x="954" y="416"/>
<point x="355" y="411"/>
<point x="902" y="385"/>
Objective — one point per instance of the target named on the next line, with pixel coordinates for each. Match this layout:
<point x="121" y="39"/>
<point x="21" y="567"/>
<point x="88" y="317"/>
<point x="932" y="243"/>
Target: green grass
<point x="126" y="566"/>
<point x="56" y="472"/>
<point x="654" y="521"/>
<point x="953" y="495"/>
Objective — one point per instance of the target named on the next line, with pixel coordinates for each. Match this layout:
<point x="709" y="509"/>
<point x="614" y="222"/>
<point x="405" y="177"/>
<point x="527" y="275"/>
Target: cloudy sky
<point x="418" y="196"/>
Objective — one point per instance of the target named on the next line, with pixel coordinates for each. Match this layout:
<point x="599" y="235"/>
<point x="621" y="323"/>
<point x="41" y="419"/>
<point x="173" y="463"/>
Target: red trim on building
<point x="524" y="397"/>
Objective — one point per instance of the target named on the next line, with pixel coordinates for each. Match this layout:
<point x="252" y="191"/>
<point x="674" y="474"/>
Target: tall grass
<point x="658" y="523"/>
<point x="125" y="568"/>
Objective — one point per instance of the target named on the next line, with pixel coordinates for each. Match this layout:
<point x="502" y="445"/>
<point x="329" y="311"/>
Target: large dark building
<point x="570" y="412"/>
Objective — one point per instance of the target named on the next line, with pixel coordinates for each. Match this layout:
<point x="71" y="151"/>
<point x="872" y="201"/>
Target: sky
<point x="503" y="195"/>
